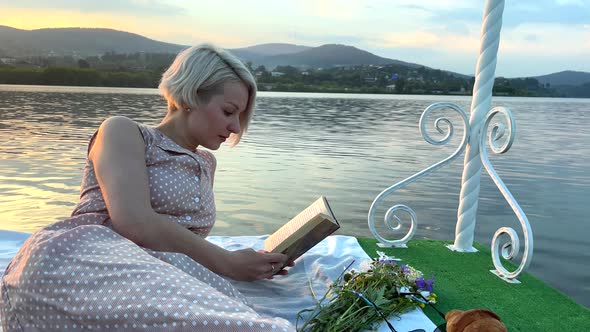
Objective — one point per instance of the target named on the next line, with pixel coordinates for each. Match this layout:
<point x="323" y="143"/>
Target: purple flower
<point x="387" y="261"/>
<point x="430" y="284"/>
<point x="405" y="269"/>
<point x="420" y="283"/>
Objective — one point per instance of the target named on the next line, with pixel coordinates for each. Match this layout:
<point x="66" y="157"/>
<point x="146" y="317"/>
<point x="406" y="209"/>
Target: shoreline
<point x="260" y="93"/>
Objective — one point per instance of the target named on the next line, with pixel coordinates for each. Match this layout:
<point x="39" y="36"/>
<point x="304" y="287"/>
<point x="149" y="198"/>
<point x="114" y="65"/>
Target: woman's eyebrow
<point x="234" y="105"/>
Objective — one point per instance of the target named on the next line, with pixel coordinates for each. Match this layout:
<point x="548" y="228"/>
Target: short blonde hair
<point x="200" y="72"/>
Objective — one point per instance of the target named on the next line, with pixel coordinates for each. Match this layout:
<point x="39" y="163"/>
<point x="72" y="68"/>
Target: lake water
<point x="346" y="147"/>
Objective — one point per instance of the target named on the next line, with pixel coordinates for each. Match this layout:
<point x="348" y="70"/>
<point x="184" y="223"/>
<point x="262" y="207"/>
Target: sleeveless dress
<point x="79" y="274"/>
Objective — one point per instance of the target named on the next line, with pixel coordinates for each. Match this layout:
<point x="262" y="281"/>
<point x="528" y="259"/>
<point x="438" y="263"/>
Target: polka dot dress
<point x="79" y="274"/>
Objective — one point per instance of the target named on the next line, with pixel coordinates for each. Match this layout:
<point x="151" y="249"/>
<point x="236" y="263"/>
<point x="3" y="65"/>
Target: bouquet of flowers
<point x="359" y="299"/>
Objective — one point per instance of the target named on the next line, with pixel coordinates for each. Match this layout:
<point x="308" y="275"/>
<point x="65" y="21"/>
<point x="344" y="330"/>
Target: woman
<point x="133" y="255"/>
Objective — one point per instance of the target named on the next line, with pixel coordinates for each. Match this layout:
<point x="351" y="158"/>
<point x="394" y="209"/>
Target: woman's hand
<point x="282" y="272"/>
<point x="251" y="265"/>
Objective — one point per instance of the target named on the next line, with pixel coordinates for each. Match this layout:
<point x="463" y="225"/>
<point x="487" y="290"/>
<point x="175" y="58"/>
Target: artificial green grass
<point x="463" y="281"/>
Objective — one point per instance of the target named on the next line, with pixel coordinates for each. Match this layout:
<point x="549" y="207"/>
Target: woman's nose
<point x="234" y="126"/>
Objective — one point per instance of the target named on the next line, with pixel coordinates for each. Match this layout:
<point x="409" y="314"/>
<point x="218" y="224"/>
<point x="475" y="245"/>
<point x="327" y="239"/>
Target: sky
<point x="538" y="36"/>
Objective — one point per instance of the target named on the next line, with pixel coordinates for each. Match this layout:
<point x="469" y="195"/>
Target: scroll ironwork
<point x="510" y="249"/>
<point x="390" y="215"/>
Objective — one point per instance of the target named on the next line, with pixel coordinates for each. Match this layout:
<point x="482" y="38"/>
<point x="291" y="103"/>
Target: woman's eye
<point x="227" y="113"/>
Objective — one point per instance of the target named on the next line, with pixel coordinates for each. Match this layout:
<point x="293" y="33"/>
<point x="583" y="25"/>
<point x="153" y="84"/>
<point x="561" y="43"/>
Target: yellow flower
<point x="432" y="298"/>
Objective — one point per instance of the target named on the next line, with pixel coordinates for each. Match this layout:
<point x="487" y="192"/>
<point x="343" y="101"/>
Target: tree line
<point x="71" y="76"/>
<point x="143" y="70"/>
<point x="393" y="78"/>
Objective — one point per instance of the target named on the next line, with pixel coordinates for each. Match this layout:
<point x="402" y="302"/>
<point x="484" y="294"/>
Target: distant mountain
<point x="84" y="42"/>
<point x="329" y="55"/>
<point x="568" y="83"/>
<point x="325" y="56"/>
<point x="255" y="53"/>
<point x="578" y="91"/>
<point x="567" y="77"/>
<point x="271" y="49"/>
<point x="77" y="41"/>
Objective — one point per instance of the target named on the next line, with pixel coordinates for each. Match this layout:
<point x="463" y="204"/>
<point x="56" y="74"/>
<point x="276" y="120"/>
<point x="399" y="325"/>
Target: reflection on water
<point x="346" y="147"/>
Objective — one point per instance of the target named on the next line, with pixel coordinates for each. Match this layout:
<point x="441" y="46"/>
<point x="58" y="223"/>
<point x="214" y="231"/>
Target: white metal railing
<point x="474" y="142"/>
<point x="395" y="226"/>
<point x="509" y="249"/>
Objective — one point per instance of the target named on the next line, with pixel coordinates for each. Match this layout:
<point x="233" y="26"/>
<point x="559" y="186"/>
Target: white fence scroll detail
<point x="474" y="141"/>
<point x="480" y="105"/>
<point x="390" y="215"/>
<point x="509" y="249"/>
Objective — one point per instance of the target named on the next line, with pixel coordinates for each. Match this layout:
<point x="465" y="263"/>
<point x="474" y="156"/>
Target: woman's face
<point x="211" y="124"/>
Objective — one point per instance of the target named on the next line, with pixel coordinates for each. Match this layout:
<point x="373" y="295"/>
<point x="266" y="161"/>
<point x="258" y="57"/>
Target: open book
<point x="301" y="233"/>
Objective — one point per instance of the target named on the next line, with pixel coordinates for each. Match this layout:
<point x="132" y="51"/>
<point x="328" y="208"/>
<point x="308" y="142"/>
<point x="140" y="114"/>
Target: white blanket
<point x="282" y="296"/>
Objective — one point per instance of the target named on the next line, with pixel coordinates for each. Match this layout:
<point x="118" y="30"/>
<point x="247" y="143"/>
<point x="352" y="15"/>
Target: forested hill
<point x="106" y="57"/>
<point x="567" y="77"/>
<point x="80" y="42"/>
<point x="325" y="56"/>
<point x="87" y="42"/>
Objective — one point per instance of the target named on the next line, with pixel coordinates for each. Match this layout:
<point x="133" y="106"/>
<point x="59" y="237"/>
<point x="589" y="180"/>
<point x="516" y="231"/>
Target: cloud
<point x="458" y="28"/>
<point x="434" y="5"/>
<point x="570" y="2"/>
<point x="334" y="9"/>
<point x="143" y="7"/>
<point x="426" y="40"/>
<point x="566" y="12"/>
<point x="527" y="40"/>
<point x="408" y="39"/>
<point x="546" y="11"/>
<point x="414" y="6"/>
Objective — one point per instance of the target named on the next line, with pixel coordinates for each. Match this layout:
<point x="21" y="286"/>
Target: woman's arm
<point x="118" y="155"/>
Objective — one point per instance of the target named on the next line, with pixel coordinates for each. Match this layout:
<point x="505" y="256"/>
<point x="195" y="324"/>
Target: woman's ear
<point x="185" y="107"/>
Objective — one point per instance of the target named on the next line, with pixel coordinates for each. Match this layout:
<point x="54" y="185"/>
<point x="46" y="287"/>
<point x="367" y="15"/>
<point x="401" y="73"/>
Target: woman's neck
<point x="173" y="128"/>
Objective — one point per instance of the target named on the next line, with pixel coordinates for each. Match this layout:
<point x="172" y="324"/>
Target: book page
<point x="303" y="240"/>
<point x="294" y="224"/>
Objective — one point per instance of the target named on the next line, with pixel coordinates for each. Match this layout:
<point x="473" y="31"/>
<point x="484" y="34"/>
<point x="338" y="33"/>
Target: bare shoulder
<point x="119" y="133"/>
<point x="119" y="128"/>
<point x="118" y="123"/>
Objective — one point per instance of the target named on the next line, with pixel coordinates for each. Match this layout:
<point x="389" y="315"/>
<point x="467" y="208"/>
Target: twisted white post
<point x="480" y="105"/>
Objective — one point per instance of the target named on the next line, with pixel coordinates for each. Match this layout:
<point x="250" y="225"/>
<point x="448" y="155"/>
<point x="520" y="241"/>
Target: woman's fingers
<point x="269" y="264"/>
<point x="277" y="259"/>
<point x="283" y="272"/>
